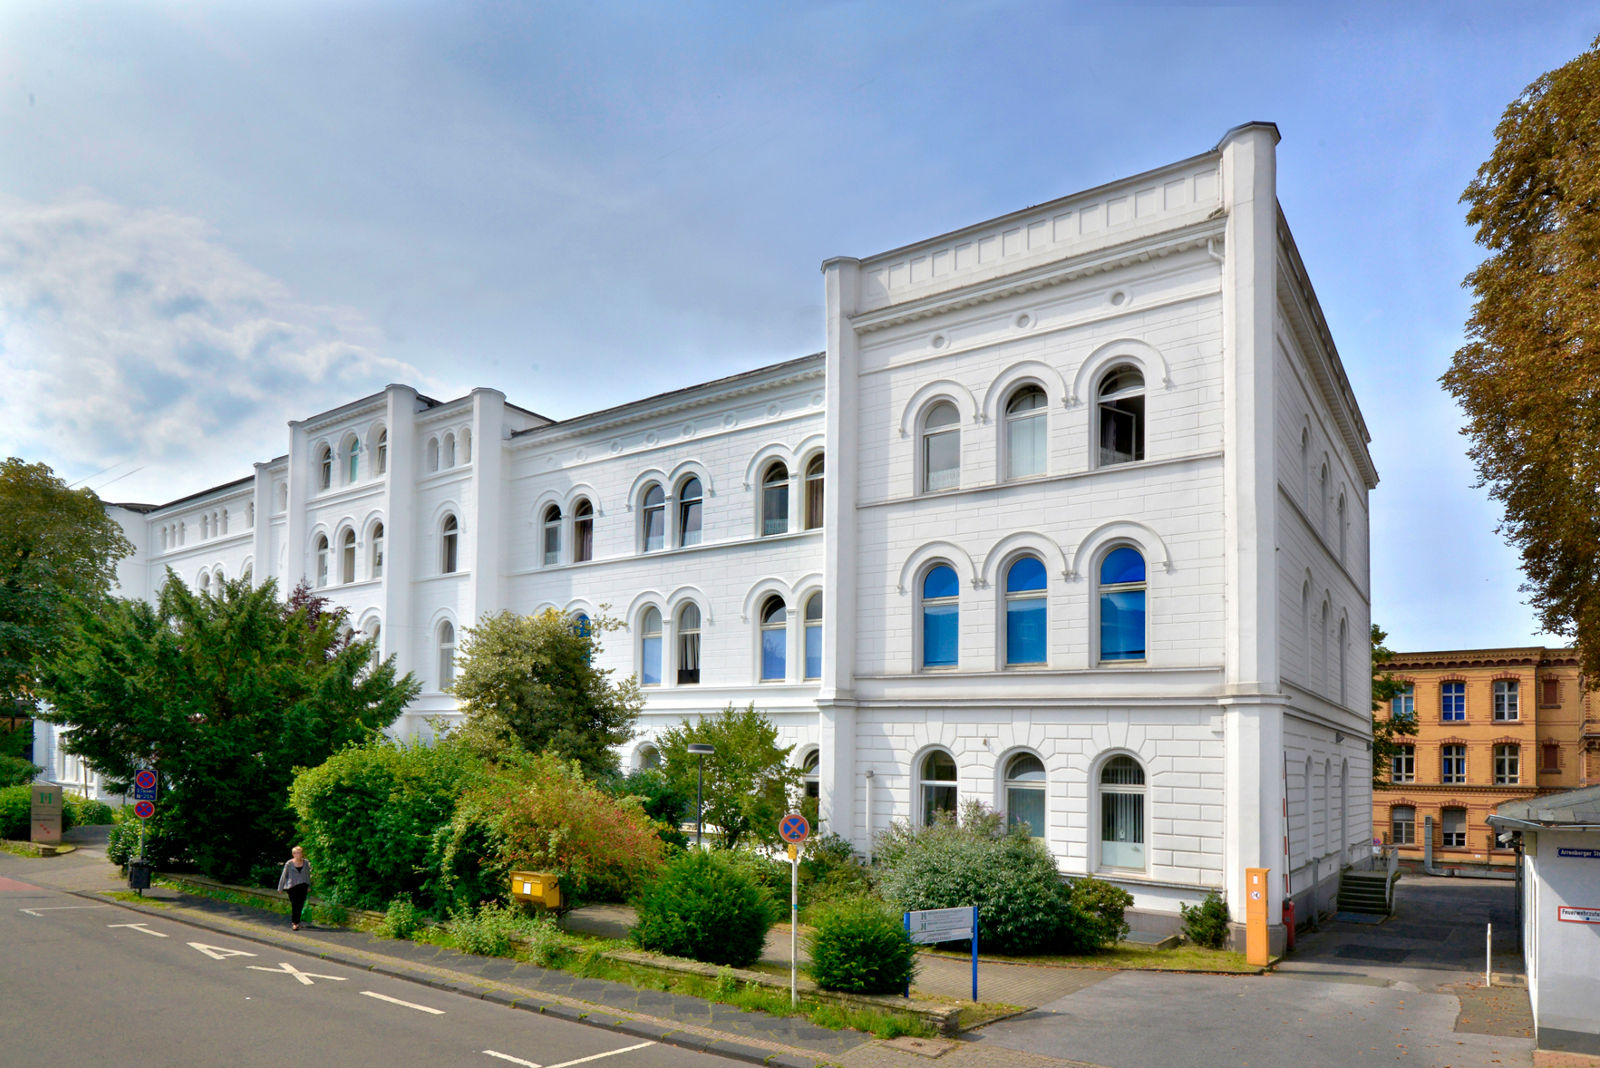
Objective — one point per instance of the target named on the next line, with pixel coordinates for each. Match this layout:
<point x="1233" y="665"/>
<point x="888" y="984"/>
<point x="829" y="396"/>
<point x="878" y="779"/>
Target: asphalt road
<point x="87" y="984"/>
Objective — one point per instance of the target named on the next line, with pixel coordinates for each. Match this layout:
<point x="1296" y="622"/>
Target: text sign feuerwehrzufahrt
<point x="927" y="926"/>
<point x="1577" y="914"/>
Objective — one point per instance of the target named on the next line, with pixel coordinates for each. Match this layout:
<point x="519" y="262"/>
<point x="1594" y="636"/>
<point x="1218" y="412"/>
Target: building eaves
<point x="235" y="484"/>
<point x="1571" y="808"/>
<point x="1445" y="658"/>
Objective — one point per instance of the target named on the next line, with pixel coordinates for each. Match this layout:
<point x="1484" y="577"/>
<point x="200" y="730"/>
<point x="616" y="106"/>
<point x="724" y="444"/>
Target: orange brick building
<point x="1492" y="725"/>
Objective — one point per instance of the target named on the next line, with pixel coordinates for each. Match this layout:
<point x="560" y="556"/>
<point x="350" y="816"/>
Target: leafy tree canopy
<point x="55" y="543"/>
<point x="748" y="780"/>
<point x="1388" y="732"/>
<point x="224" y="695"/>
<point x="531" y="680"/>
<point x="1528" y="377"/>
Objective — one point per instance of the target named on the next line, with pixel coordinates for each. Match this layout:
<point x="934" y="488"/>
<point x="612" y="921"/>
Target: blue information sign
<point x="144" y="786"/>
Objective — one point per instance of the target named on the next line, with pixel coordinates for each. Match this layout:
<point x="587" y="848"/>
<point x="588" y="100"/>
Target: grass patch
<point x="1124" y="957"/>
<point x="319" y="913"/>
<point x="33" y="849"/>
<point x="132" y="897"/>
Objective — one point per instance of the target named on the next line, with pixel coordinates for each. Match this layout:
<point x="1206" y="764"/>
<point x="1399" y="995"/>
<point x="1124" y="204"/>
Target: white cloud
<point x="134" y="337"/>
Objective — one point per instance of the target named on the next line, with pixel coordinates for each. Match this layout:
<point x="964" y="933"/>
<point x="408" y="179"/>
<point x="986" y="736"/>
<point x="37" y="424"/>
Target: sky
<point x="217" y="217"/>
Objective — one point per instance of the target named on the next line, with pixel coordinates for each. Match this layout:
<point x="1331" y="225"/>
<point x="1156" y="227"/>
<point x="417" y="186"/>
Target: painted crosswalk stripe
<point x="407" y="1004"/>
<point x="509" y="1057"/>
<point x="597" y="1056"/>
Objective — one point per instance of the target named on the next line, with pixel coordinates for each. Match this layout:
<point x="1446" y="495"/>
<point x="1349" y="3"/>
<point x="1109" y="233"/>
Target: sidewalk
<point x="784" y="1042"/>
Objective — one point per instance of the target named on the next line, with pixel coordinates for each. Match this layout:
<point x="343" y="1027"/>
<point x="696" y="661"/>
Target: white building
<point x="1070" y="517"/>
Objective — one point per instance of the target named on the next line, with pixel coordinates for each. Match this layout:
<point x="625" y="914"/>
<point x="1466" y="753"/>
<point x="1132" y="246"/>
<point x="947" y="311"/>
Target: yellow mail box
<point x="535" y="886"/>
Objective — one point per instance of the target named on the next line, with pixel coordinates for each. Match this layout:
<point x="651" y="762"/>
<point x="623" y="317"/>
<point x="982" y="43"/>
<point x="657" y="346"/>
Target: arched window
<point x="353" y="460"/>
<point x="250" y="514"/>
<point x="448" y="535"/>
<point x="813" y="624"/>
<point x="1322" y="661"/>
<point x="941" y="448"/>
<point x="375" y="636"/>
<point x="1025" y="782"/>
<point x="1339" y="516"/>
<point x="224" y="520"/>
<point x="1122" y="813"/>
<point x="205" y="583"/>
<point x="448" y="451"/>
<point x="217" y="577"/>
<point x="582" y="531"/>
<point x="322" y="559"/>
<point x="205" y="527"/>
<point x="1344" y="633"/>
<point x="775" y="500"/>
<point x="689" y="508"/>
<point x="650" y="648"/>
<point x="347" y="557"/>
<point x="1322" y="500"/>
<point x="649" y="757"/>
<point x="283" y="496"/>
<point x="377" y="550"/>
<point x="552" y="535"/>
<point x="382" y="452"/>
<point x="654" y="518"/>
<point x="447" y="655"/>
<point x="1026" y="616"/>
<point x="1305" y="465"/>
<point x="937" y="782"/>
<point x="433" y="454"/>
<point x="814" y="486"/>
<point x="689" y="645"/>
<point x="1025" y="433"/>
<point x="1121" y="413"/>
<point x="774" y="640"/>
<point x="466" y="446"/>
<point x="941" y="617"/>
<point x="324" y="467"/>
<point x="1122" y="617"/>
<point x="810" y="776"/>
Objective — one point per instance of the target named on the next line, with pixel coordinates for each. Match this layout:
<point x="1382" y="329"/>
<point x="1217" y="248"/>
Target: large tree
<point x="1528" y="377"/>
<point x="224" y="695"/>
<point x="1389" y="732"/>
<point x="749" y="782"/>
<point x="532" y="681"/>
<point x="56" y="543"/>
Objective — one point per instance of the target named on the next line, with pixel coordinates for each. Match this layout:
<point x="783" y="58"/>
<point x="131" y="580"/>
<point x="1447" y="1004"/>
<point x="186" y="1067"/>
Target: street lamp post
<point x="700" y="750"/>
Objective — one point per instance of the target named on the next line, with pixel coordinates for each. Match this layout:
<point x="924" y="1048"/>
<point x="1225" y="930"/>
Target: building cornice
<point x="1480" y="658"/>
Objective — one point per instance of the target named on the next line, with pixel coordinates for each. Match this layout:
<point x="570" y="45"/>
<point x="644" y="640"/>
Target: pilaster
<point x="488" y="502"/>
<point x="400" y="526"/>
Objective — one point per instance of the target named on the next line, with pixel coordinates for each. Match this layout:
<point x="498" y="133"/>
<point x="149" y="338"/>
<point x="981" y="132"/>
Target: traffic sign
<point x="144" y="785"/>
<point x="144" y="809"/>
<point x="793" y="828"/>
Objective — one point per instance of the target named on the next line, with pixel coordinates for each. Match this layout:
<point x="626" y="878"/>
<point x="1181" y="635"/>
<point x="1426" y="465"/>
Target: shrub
<point x="1100" y="906"/>
<point x="16" y="809"/>
<point x="1206" y="924"/>
<point x="14" y="771"/>
<point x="485" y="931"/>
<point x="547" y="945"/>
<point x="861" y="946"/>
<point x="704" y="907"/>
<point x="1011" y="877"/>
<point x="122" y="844"/>
<point x="401" y="919"/>
<point x="829" y="871"/>
<point x="84" y="811"/>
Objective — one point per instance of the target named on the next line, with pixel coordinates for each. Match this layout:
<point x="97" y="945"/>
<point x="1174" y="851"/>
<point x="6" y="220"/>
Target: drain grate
<point x="1387" y="954"/>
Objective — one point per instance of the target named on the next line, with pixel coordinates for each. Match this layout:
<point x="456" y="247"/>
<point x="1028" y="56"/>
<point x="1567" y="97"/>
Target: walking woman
<point x="296" y="879"/>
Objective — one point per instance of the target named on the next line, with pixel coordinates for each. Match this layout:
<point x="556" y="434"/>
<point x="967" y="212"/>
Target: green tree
<point x="224" y="695"/>
<point x="748" y="780"/>
<point x="55" y="544"/>
<point x="531" y="680"/>
<point x="1528" y="377"/>
<point x="1388" y="731"/>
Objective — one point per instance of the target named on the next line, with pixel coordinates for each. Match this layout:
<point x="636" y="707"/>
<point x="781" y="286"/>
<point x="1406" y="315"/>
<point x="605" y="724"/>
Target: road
<point x="96" y="984"/>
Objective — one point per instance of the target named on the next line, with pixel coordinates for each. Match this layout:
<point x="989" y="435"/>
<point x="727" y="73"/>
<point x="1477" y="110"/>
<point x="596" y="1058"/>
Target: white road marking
<point x="305" y="978"/>
<point x="217" y="952"/>
<point x="407" y="1004"/>
<point x="60" y="908"/>
<point x="141" y="928"/>
<point x="509" y="1057"/>
<point x="597" y="1056"/>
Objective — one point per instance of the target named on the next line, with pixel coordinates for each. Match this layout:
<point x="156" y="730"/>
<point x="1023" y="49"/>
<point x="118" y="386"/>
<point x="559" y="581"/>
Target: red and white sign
<point x="144" y="809"/>
<point x="1577" y="914"/>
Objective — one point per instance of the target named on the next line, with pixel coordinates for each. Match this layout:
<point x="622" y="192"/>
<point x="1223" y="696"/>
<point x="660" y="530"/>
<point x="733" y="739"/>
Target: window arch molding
<point x="646" y="755"/>
<point x="920" y="788"/>
<point x="925" y="554"/>
<point x="931" y="392"/>
<point x="319" y="533"/>
<point x="1127" y="531"/>
<point x="687" y="468"/>
<point x="247" y="570"/>
<point x="1139" y="354"/>
<point x="1020" y="543"/>
<point x="350" y="466"/>
<point x="641" y="482"/>
<point x="764" y="457"/>
<point x="347" y="543"/>
<point x="1023" y="373"/>
<point x="377" y="435"/>
<point x="642" y="600"/>
<point x="325" y="461"/>
<point x="1097" y="810"/>
<point x="1003" y="785"/>
<point x="674" y="602"/>
<point x="760" y="590"/>
<point x="1009" y="648"/>
<point x="436" y="626"/>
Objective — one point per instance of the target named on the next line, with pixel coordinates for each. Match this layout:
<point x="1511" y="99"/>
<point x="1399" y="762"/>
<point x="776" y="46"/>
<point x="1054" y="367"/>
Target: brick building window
<point x="1550" y="757"/>
<point x="1453" y="702"/>
<point x="1403" y="705"/>
<point x="1453" y="828"/>
<point x="1453" y="764"/>
<point x="1403" y="825"/>
<point x="1507" y="765"/>
<point x="1551" y="694"/>
<point x="1403" y="764"/>
<point x="1505" y="700"/>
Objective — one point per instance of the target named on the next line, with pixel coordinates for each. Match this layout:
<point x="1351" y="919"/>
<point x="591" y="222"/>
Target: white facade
<point x="1139" y="367"/>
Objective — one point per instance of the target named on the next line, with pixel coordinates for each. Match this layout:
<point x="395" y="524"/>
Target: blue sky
<point x="218" y="217"/>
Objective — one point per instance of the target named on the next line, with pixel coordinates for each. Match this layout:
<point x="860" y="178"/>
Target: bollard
<point x="1488" y="955"/>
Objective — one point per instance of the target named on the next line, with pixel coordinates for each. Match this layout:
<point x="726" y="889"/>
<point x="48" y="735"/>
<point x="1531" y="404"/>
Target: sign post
<point x="45" y="813"/>
<point x="144" y="801"/>
<point x="928" y="926"/>
<point x="794" y="829"/>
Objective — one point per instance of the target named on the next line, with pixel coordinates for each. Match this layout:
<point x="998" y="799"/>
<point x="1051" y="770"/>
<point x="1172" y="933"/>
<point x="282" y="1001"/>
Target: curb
<point x="600" y="1017"/>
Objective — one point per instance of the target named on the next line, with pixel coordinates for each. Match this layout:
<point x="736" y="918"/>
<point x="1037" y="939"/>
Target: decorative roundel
<point x="1024" y="321"/>
<point x="688" y="430"/>
<point x="1119" y="298"/>
<point x="772" y="411"/>
<point x="650" y="438"/>
<point x="816" y="400"/>
<point x="550" y="461"/>
<point x="616" y="446"/>
<point x="939" y="341"/>
<point x="581" y="454"/>
<point x="730" y="420"/>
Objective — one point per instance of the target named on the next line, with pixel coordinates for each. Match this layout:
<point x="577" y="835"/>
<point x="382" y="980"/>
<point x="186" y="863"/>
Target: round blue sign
<point x="793" y="828"/>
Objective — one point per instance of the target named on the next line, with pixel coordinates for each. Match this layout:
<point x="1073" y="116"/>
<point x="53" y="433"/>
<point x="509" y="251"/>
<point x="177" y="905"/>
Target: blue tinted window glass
<point x="1025" y="631"/>
<point x="1454" y="701"/>
<point x="1122" y="625"/>
<point x="650" y="669"/>
<point x="772" y="667"/>
<point x="1122" y="565"/>
<point x="940" y="582"/>
<point x="940" y="635"/>
<point x="813" y="651"/>
<point x="1026" y="574"/>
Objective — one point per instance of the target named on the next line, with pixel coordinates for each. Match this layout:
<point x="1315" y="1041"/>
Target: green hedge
<point x="705" y="907"/>
<point x="16" y="809"/>
<point x="860" y="946"/>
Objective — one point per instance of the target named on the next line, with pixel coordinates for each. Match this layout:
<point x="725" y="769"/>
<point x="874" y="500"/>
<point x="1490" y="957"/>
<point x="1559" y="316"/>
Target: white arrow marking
<point x="407" y="1004"/>
<point x="217" y="952"/>
<point x="138" y="927"/>
<point x="60" y="908"/>
<point x="509" y="1057"/>
<point x="597" y="1056"/>
<point x="289" y="969"/>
